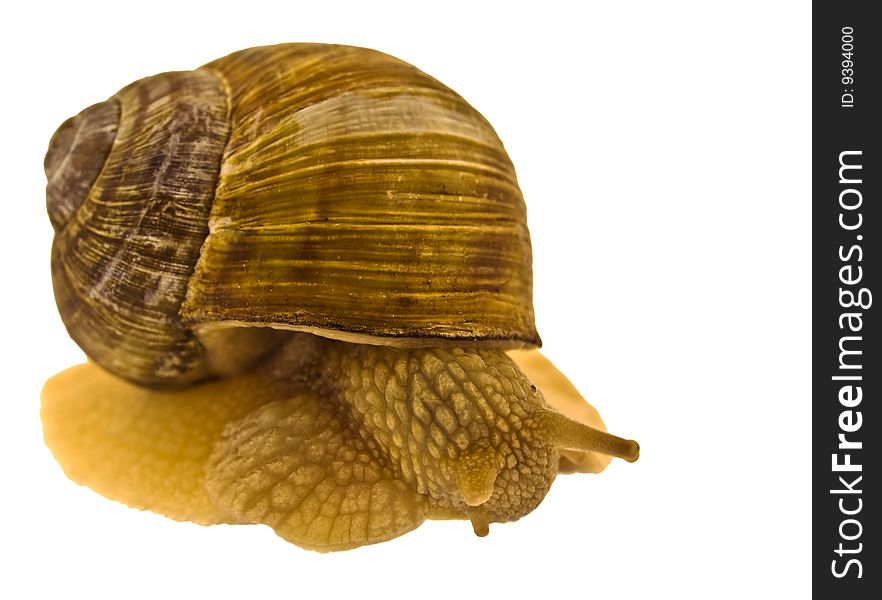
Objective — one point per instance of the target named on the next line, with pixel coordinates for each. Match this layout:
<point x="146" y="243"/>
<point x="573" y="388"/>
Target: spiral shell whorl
<point x="363" y="200"/>
<point x="76" y="155"/>
<point x="122" y="262"/>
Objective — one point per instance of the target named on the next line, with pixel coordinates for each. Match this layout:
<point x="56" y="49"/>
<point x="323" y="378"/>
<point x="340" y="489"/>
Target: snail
<point x="302" y="276"/>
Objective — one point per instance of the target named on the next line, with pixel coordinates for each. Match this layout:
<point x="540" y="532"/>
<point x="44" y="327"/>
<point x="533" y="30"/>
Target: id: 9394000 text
<point x="847" y="100"/>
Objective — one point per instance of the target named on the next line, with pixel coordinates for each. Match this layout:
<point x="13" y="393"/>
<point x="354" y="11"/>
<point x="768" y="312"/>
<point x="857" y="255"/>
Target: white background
<point x="664" y="152"/>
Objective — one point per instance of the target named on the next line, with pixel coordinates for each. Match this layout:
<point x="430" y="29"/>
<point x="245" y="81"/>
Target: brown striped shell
<point x="307" y="187"/>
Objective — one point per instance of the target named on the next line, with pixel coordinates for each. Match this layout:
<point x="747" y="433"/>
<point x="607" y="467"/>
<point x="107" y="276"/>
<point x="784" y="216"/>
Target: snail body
<point x="310" y="239"/>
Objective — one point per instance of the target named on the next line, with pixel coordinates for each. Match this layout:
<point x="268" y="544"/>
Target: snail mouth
<point x="75" y="158"/>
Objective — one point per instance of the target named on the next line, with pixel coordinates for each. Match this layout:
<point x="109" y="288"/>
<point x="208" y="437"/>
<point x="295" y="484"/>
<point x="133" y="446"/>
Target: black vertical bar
<point x="846" y="299"/>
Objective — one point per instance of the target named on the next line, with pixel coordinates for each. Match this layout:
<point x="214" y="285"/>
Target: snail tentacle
<point x="572" y="435"/>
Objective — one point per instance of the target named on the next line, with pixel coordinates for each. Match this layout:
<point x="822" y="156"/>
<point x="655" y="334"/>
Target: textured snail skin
<point x="303" y="277"/>
<point x="333" y="445"/>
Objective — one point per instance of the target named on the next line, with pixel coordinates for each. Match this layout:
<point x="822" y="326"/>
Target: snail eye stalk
<point x="572" y="435"/>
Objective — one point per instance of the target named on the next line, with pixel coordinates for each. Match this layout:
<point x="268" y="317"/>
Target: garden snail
<point x="301" y="273"/>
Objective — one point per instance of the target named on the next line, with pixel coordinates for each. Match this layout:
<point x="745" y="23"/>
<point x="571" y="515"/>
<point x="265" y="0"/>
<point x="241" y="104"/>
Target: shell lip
<point x="410" y="339"/>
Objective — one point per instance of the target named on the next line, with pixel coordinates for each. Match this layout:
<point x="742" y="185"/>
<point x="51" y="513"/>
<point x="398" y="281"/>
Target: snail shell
<point x="318" y="188"/>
